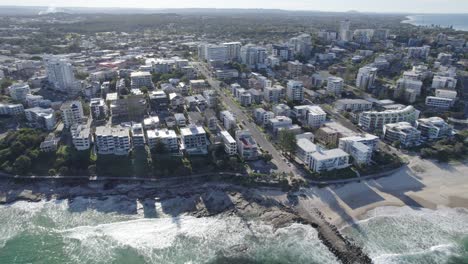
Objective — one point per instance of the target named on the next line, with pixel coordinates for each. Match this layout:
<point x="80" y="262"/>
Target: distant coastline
<point x="457" y="21"/>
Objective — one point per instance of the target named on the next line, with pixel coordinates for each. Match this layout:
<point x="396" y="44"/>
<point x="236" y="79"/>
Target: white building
<point x="326" y="160"/>
<point x="359" y="147"/>
<point x="450" y="94"/>
<point x="194" y="140"/>
<point x="433" y="128"/>
<point x="138" y="135"/>
<point x="19" y="91"/>
<point x="112" y="140"/>
<point x="295" y="91"/>
<point x="316" y="116"/>
<point x="98" y="108"/>
<point x="253" y="56"/>
<point x="166" y="137"/>
<point x="419" y="52"/>
<point x="141" y="79"/>
<point x="246" y="145"/>
<point x="335" y="85"/>
<point x="403" y="132"/>
<point x="81" y="137"/>
<point x="226" y="74"/>
<point x="345" y="33"/>
<point x="233" y="50"/>
<point x="282" y="110"/>
<point x="280" y="122"/>
<point x="371" y="120"/>
<point x="273" y="94"/>
<point x="444" y="82"/>
<point x="72" y="113"/>
<point x="262" y="116"/>
<point x="439" y="102"/>
<point x="60" y="74"/>
<point x="353" y="105"/>
<point x="229" y="120"/>
<point x="304" y="150"/>
<point x="366" y="77"/>
<point x="216" y="52"/>
<point x="41" y="117"/>
<point x="11" y="109"/>
<point x="230" y="145"/>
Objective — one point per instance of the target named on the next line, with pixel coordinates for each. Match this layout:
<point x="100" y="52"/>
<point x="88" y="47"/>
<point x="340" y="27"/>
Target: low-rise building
<point x="246" y="145"/>
<point x="43" y="118"/>
<point x="335" y="85"/>
<point x="439" y="102"/>
<point x="353" y="105"/>
<point x="433" y="128"/>
<point x="402" y="132"/>
<point x="331" y="132"/>
<point x="327" y="160"/>
<point x="49" y="144"/>
<point x="228" y="119"/>
<point x="282" y="110"/>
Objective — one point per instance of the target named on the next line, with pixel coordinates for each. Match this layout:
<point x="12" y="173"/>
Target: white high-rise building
<point x="295" y="91"/>
<point x="216" y="52"/>
<point x="366" y="77"/>
<point x="60" y="74"/>
<point x="72" y="113"/>
<point x="335" y="85"/>
<point x="19" y="91"/>
<point x="345" y="33"/>
<point x="301" y="45"/>
<point x="233" y="50"/>
<point x="253" y="56"/>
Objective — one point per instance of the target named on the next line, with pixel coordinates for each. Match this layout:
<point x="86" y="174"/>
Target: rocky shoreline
<point x="195" y="199"/>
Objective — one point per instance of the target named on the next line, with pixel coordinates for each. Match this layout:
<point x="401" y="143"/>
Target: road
<point x="256" y="133"/>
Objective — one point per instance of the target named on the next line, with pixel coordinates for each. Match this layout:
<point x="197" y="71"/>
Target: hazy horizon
<point x="396" y="6"/>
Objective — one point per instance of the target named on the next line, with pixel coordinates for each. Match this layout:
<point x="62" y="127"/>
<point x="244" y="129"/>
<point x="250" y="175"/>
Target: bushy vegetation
<point x="447" y="149"/>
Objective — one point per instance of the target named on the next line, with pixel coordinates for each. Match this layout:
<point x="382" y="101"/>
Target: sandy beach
<point x="421" y="183"/>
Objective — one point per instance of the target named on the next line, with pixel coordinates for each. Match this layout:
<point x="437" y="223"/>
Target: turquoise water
<point x="458" y="21"/>
<point x="406" y="235"/>
<point x="90" y="231"/>
<point x="48" y="232"/>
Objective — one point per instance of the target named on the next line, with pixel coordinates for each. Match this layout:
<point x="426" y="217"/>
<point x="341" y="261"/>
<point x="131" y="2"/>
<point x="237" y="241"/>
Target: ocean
<point x="458" y="21"/>
<point x="59" y="231"/>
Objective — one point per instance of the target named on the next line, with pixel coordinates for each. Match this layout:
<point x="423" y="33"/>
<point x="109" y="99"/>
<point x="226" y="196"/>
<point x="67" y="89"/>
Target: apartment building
<point x="165" y="136"/>
<point x="371" y="120"/>
<point x="327" y="160"/>
<point x="359" y="147"/>
<point x="353" y="105"/>
<point x="43" y="118"/>
<point x="433" y="128"/>
<point x="19" y="91"/>
<point x="112" y="140"/>
<point x="81" y="136"/>
<point x="72" y="113"/>
<point x="366" y="77"/>
<point x="439" y="102"/>
<point x="403" y="132"/>
<point x="138" y="135"/>
<point x="273" y="94"/>
<point x="246" y="145"/>
<point x="11" y="109"/>
<point x="335" y="86"/>
<point x="295" y="91"/>
<point x="141" y="79"/>
<point x="230" y="145"/>
<point x="98" y="108"/>
<point x="194" y="140"/>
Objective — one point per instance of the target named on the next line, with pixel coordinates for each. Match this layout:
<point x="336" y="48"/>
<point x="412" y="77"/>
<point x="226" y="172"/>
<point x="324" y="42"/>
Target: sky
<point x="381" y="6"/>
